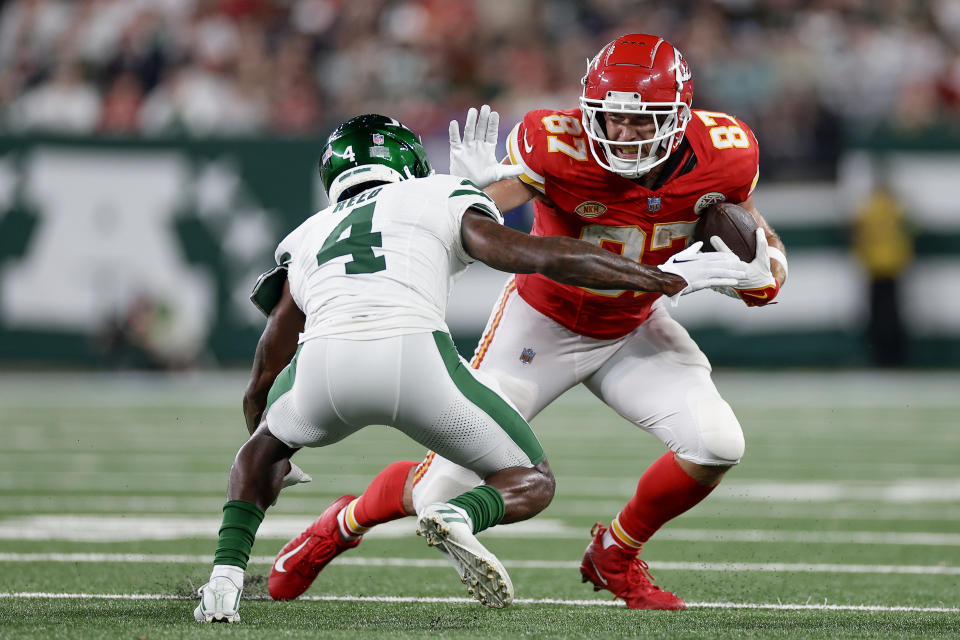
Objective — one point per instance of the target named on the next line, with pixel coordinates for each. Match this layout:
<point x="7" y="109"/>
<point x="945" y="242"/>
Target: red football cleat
<point x="301" y="559"/>
<point x="622" y="572"/>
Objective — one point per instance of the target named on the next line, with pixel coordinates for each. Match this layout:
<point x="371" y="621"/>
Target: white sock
<point x="616" y="535"/>
<point x="349" y="533"/>
<point x="228" y="571"/>
<point x="608" y="539"/>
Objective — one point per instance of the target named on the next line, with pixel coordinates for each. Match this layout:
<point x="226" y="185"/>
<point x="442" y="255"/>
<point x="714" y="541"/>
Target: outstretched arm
<point x="511" y="193"/>
<point x="560" y="258"/>
<point x="274" y="351"/>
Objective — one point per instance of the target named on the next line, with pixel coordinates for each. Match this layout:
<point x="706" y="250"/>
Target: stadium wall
<point x="142" y="253"/>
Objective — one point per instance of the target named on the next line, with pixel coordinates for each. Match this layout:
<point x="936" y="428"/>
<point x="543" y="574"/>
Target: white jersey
<point x="382" y="263"/>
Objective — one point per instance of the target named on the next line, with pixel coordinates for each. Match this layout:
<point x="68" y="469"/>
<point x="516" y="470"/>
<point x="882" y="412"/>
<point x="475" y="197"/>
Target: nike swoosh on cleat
<point x="597" y="571"/>
<point x="282" y="559"/>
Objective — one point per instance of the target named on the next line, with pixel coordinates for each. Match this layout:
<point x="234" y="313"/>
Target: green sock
<point x="240" y="522"/>
<point x="483" y="504"/>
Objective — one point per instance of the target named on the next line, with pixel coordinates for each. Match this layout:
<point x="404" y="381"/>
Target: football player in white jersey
<point x="356" y="336"/>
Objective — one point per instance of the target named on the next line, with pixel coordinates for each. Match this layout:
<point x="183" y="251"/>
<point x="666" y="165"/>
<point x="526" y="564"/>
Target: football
<point x="735" y="226"/>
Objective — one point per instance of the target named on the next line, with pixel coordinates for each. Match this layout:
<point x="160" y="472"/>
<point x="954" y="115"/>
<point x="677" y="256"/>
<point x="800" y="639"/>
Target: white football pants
<point x="416" y="383"/>
<point x="656" y="377"/>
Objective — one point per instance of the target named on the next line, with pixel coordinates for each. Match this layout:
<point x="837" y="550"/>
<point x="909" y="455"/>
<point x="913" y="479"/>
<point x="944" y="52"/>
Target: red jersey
<point x="718" y="160"/>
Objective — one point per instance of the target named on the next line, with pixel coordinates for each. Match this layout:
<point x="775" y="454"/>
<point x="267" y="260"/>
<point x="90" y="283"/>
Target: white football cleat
<point x="219" y="601"/>
<point x="486" y="578"/>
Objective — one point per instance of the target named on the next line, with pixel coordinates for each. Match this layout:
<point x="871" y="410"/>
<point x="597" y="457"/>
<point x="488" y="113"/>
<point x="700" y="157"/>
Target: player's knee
<point x="262" y="448"/>
<point x="542" y="485"/>
<point x="525" y="491"/>
<point x="720" y="432"/>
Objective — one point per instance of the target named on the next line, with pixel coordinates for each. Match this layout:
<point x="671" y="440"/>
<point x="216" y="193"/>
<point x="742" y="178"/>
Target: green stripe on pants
<point x="284" y="381"/>
<point x="488" y="400"/>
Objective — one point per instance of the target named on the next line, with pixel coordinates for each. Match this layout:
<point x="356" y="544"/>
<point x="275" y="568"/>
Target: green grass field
<point x="842" y="520"/>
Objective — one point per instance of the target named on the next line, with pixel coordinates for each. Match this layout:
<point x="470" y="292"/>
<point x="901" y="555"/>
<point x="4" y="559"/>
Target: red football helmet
<point x="637" y="74"/>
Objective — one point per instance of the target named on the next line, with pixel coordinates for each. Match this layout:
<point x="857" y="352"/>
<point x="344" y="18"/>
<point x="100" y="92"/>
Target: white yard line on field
<point x="112" y="528"/>
<point x="104" y="528"/>
<point x="722" y="511"/>
<point x="135" y="558"/>
<point x="122" y="484"/>
<point x="415" y="600"/>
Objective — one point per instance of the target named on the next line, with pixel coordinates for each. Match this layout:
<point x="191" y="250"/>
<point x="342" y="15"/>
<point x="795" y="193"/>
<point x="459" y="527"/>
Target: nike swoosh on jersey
<point x="527" y="145"/>
<point x="282" y="559"/>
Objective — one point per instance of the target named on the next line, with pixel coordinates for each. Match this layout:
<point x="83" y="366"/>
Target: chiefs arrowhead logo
<point x="708" y="199"/>
<point x="590" y="209"/>
<point x="683" y="69"/>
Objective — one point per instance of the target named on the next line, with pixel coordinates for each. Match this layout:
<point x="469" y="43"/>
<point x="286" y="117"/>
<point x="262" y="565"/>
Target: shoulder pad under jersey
<point x="544" y="142"/>
<point x="727" y="145"/>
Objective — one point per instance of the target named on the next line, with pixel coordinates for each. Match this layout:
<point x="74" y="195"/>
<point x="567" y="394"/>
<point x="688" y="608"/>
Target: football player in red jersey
<point x="630" y="170"/>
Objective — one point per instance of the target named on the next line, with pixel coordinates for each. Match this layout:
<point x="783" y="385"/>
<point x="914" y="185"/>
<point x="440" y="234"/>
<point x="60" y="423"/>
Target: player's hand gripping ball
<point x="737" y="232"/>
<point x="733" y="224"/>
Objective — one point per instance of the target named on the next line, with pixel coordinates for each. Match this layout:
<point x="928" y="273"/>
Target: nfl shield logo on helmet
<point x="378" y="138"/>
<point x="653" y="203"/>
<point x="526" y="356"/>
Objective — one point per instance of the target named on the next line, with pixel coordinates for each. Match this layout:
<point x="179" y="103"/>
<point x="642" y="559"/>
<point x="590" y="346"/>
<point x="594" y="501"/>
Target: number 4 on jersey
<point x="358" y="244"/>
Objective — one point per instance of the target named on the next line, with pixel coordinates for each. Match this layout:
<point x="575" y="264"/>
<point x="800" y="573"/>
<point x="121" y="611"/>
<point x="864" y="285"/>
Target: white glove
<point x="758" y="286"/>
<point x="702" y="270"/>
<point x="475" y="158"/>
<point x="296" y="475"/>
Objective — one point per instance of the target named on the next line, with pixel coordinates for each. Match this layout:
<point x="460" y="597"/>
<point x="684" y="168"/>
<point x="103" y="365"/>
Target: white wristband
<point x="775" y="254"/>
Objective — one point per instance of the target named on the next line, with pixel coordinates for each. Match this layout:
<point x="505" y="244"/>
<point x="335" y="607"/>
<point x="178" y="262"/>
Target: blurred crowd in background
<point x="803" y="73"/>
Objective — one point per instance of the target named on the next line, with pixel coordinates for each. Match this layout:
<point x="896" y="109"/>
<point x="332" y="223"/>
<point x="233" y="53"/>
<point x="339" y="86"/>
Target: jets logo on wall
<point x="708" y="199"/>
<point x="590" y="209"/>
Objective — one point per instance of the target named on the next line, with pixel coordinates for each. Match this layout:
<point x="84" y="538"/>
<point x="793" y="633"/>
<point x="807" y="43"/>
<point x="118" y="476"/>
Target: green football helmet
<point x="370" y="148"/>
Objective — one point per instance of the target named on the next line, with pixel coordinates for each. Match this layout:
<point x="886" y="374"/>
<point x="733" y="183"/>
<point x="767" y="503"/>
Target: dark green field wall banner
<point x="150" y="244"/>
<point x="142" y="254"/>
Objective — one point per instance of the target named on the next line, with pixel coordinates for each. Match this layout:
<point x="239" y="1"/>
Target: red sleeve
<point x="548" y="145"/>
<point x="526" y="147"/>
